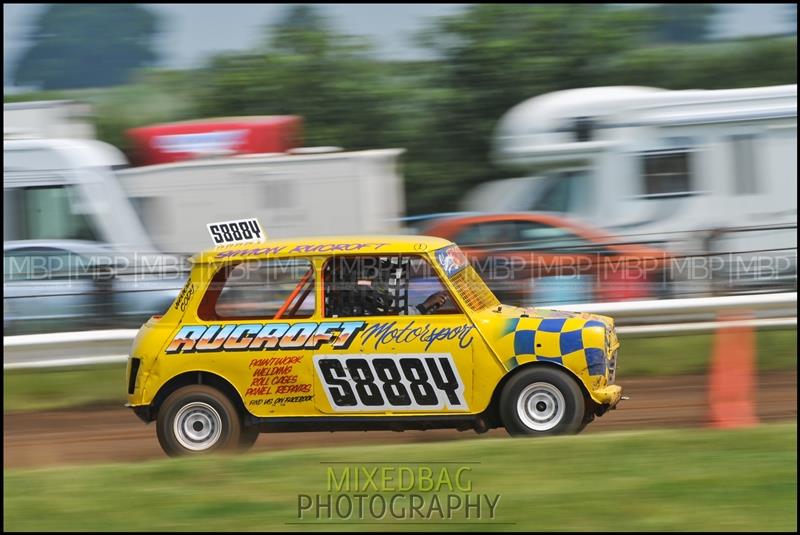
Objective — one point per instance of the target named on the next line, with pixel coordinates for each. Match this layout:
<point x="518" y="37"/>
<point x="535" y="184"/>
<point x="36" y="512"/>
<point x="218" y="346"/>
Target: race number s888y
<point x="411" y="382"/>
<point x="239" y="231"/>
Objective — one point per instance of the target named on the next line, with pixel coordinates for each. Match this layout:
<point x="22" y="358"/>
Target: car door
<point x="400" y="361"/>
<point x="253" y="326"/>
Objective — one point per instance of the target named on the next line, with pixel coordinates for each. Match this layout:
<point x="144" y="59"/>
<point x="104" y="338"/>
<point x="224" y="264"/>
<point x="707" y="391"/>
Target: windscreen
<point x="466" y="281"/>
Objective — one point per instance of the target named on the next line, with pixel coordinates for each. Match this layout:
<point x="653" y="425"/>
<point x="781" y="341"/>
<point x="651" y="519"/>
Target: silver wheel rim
<point x="197" y="426"/>
<point x="541" y="406"/>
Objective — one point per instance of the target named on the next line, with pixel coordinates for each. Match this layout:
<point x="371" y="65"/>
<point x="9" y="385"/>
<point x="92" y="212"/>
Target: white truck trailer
<point x="84" y="189"/>
<point x="291" y="194"/>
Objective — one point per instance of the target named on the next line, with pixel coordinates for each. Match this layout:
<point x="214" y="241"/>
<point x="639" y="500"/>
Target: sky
<point x="193" y="32"/>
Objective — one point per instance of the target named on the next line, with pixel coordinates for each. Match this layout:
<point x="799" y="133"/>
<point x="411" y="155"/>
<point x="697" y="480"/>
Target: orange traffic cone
<point x="732" y="381"/>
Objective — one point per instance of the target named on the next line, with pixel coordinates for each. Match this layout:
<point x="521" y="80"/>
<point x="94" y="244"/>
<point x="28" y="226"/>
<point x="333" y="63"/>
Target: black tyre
<point x="542" y="401"/>
<point x="247" y="438"/>
<point x="586" y="421"/>
<point x="198" y="419"/>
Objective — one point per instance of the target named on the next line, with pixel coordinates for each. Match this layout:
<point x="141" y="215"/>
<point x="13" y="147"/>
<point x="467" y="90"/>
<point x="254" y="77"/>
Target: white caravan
<point x="701" y="172"/>
<point x="646" y="162"/>
<point x="295" y="194"/>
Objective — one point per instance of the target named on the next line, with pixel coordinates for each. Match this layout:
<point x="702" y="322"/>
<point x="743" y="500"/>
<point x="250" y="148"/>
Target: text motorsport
<point x="397" y="492"/>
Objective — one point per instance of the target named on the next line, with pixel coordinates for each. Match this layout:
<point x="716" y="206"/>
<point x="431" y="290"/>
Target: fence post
<point x="732" y="374"/>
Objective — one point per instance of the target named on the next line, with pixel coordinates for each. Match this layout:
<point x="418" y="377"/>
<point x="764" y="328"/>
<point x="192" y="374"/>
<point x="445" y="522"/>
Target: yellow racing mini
<point x="359" y="333"/>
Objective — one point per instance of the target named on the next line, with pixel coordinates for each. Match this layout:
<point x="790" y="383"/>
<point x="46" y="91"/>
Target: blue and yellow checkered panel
<point x="559" y="340"/>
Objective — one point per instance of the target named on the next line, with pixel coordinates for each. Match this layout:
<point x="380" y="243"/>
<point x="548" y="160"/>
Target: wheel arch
<point x="492" y="412"/>
<point x="196" y="377"/>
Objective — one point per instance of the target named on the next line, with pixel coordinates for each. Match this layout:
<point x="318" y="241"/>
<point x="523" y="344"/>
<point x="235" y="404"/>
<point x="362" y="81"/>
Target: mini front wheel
<point x="198" y="419"/>
<point x="542" y="401"/>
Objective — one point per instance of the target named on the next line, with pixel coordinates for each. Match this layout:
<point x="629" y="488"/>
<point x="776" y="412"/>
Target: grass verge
<point x="691" y="354"/>
<point x="701" y="479"/>
<point x="53" y="388"/>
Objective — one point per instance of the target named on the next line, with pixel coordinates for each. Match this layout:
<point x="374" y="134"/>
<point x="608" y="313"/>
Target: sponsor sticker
<point x="392" y="382"/>
<point x="451" y="259"/>
<point x="201" y="142"/>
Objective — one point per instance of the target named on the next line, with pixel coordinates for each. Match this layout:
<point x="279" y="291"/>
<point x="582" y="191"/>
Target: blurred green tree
<point x="494" y="56"/>
<point x="87" y="45"/>
<point x="302" y="29"/>
<point x="304" y="69"/>
<point x="751" y="62"/>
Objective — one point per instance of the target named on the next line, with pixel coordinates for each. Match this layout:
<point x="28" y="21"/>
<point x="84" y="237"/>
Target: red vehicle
<point x="570" y="261"/>
<point x="175" y="142"/>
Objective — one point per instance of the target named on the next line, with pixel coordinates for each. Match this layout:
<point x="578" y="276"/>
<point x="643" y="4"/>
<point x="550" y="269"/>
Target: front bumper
<point x="144" y="412"/>
<point x="608" y="396"/>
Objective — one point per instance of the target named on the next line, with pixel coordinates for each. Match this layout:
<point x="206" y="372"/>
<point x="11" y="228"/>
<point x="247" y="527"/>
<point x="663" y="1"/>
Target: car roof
<point x="75" y="246"/>
<point x="585" y="229"/>
<point x="553" y="218"/>
<point x="327" y="245"/>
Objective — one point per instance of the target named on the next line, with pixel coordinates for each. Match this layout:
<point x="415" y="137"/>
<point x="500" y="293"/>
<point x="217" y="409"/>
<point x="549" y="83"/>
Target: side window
<point x="666" y="173"/>
<point x="19" y="265"/>
<point x="261" y="289"/>
<point x="546" y="238"/>
<point x="424" y="282"/>
<point x="487" y="234"/>
<point x="42" y="264"/>
<point x="562" y="192"/>
<point x="48" y="212"/>
<point x="382" y="286"/>
<point x="469" y="236"/>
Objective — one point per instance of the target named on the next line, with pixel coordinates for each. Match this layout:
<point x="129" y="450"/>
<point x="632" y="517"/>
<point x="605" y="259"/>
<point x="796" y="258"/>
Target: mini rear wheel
<point x="198" y="419"/>
<point x="542" y="401"/>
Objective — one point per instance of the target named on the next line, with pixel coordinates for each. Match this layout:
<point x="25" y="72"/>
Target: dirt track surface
<point x="116" y="434"/>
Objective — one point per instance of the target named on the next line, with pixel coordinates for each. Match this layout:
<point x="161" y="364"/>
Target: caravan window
<point x="667" y="173"/>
